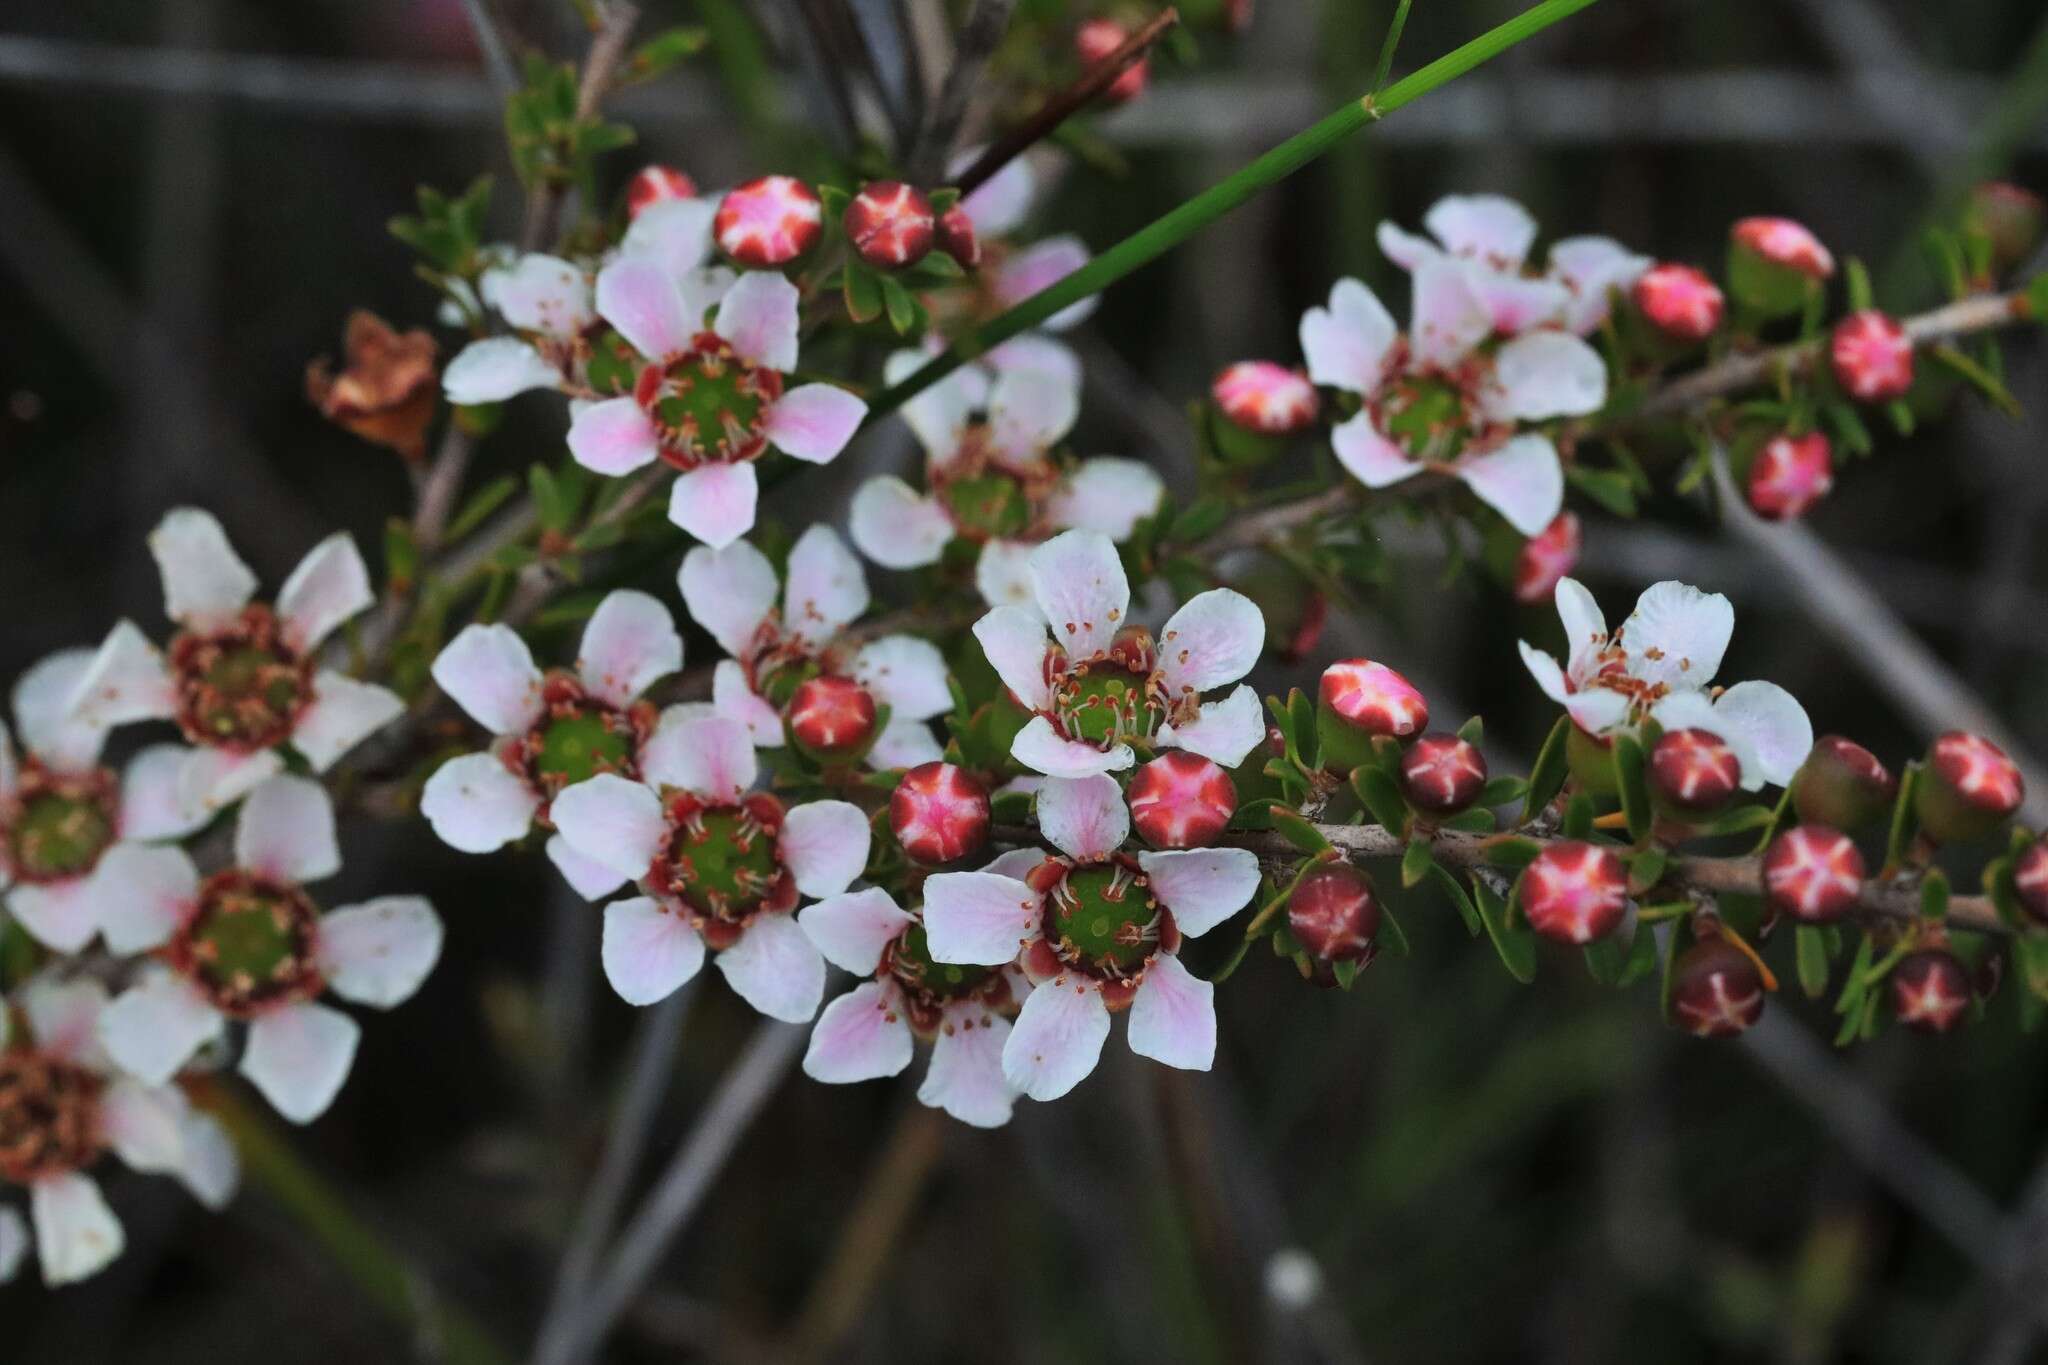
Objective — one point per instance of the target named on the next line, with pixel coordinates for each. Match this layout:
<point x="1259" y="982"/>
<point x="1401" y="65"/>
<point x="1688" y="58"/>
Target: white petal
<point x="1057" y="1038"/>
<point x="215" y="779"/>
<point x="613" y="437"/>
<point x="378" y="953"/>
<point x="494" y="369"/>
<point x="1522" y="481"/>
<point x="715" y="502"/>
<point x="1202" y="886"/>
<point x="1450" y="318"/>
<point x="1212" y="640"/>
<point x="861" y="1036"/>
<point x="1368" y="456"/>
<point x="1036" y="351"/>
<point x="630" y="642"/>
<point x="489" y="672"/>
<point x="938" y="416"/>
<point x="639" y="298"/>
<point x="1037" y="268"/>
<point x="703" y="290"/>
<point x="648" y="952"/>
<point x="759" y="318"/>
<point x="904" y="744"/>
<point x="587" y="877"/>
<point x="541" y="293"/>
<point x="1545" y="671"/>
<point x="730" y="592"/>
<point x="212" y="1169"/>
<point x="1000" y="204"/>
<point x="1405" y="248"/>
<point x="1107" y="494"/>
<point x="1585" y="627"/>
<point x="675" y="234"/>
<point x="10" y="773"/>
<point x="1039" y="748"/>
<point x="1677" y="634"/>
<point x="1014" y="640"/>
<point x="204" y="579"/>
<point x="813" y="422"/>
<point x="298" y="1057"/>
<point x="144" y="1125"/>
<point x="733" y="698"/>
<point x="286" y="830"/>
<point x="344" y="713"/>
<point x="1515" y="303"/>
<point x="1002" y="575"/>
<point x="775" y="969"/>
<point x="1593" y="268"/>
<point x="478" y="805"/>
<point x="1346" y="344"/>
<point x="64" y="1017"/>
<point x="330" y="585"/>
<point x="77" y="1235"/>
<point x="613" y="821"/>
<point x="826" y="588"/>
<point x="1084" y="817"/>
<point x="1030" y="411"/>
<point x="14" y="1243"/>
<point x="965" y="1075"/>
<point x="59" y="915"/>
<point x="825" y="845"/>
<point x="1173" y="1017"/>
<point x="153" y="804"/>
<point x="709" y="755"/>
<point x="45" y="711"/>
<point x="1223" y="732"/>
<point x="896" y="526"/>
<point x="128" y="681"/>
<point x="1545" y="374"/>
<point x="1079" y="584"/>
<point x="1776" y="724"/>
<point x="852" y="929"/>
<point x="906" y="674"/>
<point x="142" y="894"/>
<point x="1487" y="227"/>
<point x="979" y="918"/>
<point x="156" y="1025"/>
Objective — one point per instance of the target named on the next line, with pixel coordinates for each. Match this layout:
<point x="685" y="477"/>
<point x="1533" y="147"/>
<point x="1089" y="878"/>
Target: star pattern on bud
<point x="1813" y="874"/>
<point x="1574" y="892"/>
<point x="1930" y="991"/>
<point x="1681" y="301"/>
<point x="1442" y="773"/>
<point x="1716" y="991"/>
<point x="1790" y="474"/>
<point x="1871" y="356"/>
<point x="1694" y="771"/>
<point x="1334" y="913"/>
<point x="939" y="813"/>
<point x="1978" y="771"/>
<point x="890" y="224"/>
<point x="769" y="222"/>
<point x="1181" y="800"/>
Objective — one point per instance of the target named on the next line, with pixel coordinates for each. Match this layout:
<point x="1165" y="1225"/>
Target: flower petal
<point x="1039" y="267"/>
<point x="1450" y="317"/>
<point x="759" y="318"/>
<point x="1039" y="748"/>
<point x="775" y="969"/>
<point x="62" y="916"/>
<point x="813" y="422"/>
<point x="674" y="233"/>
<point x="1084" y="817"/>
<point x="542" y="293"/>
<point x="715" y="502"/>
<point x="1202" y="886"/>
<point x="142" y="894"/>
<point x="494" y="369"/>
<point x="613" y="821"/>
<point x="1002" y="575"/>
<point x="77" y="1235"/>
<point x="639" y="298"/>
<point x="1000" y="204"/>
<point x="1522" y="481"/>
<point x="1405" y="249"/>
<point x="904" y="744"/>
<point x="64" y="1016"/>
<point x="1347" y="344"/>
<point x="344" y="713"/>
<point x="906" y="674"/>
<point x="1545" y="671"/>
<point x="1212" y="640"/>
<point x="1223" y="732"/>
<point x="14" y="1243"/>
<point x="587" y="877"/>
<point x="379" y="952"/>
<point x="1585" y="627"/>
<point x="1057" y="1038"/>
<point x="826" y="587"/>
<point x="298" y="1057"/>
<point x="730" y="592"/>
<point x="1515" y="303"/>
<point x="1036" y="351"/>
<point x="648" y="952"/>
<point x="1014" y="640"/>
<point x="156" y="1025"/>
<point x="286" y="830"/>
<point x="144" y="1125"/>
<point x="1594" y="269"/>
<point x="824" y="844"/>
<point x="979" y="918"/>
<point x="46" y="716"/>
<point x="706" y="754"/>
<point x="853" y="928"/>
<point x="1173" y="1017"/>
<point x="204" y="579"/>
<point x="1107" y="494"/>
<point x="613" y="437"/>
<point x="1030" y="411"/>
<point x="1545" y="374"/>
<point x="489" y="672"/>
<point x="1368" y="456"/>
<point x="965" y="1076"/>
<point x="217" y="778"/>
<point x="1078" y="581"/>
<point x="1776" y="724"/>
<point x="128" y="681"/>
<point x="1677" y="635"/>
<point x="212" y="1169"/>
<point x="330" y="585"/>
<point x="733" y="698"/>
<point x="861" y="1036"/>
<point x="629" y="642"/>
<point x="478" y="805"/>
<point x="939" y="415"/>
<point x="1485" y="227"/>
<point x="897" y="526"/>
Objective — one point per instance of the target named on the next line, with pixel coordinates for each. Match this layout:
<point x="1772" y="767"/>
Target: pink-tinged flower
<point x="1680" y="301"/>
<point x="707" y="400"/>
<point x="1782" y="242"/>
<point x="240" y="678"/>
<point x="1096" y="42"/>
<point x="1872" y="357"/>
<point x="1969" y="788"/>
<point x="551" y="730"/>
<point x="62" y="810"/>
<point x="962" y="1010"/>
<point x="732" y="593"/>
<point x="1099" y="931"/>
<point x="1489" y="236"/>
<point x="718" y="866"/>
<point x="1790" y="474"/>
<point x="1334" y="914"/>
<point x="546" y="302"/>
<point x="1546" y="557"/>
<point x="939" y="813"/>
<point x="1442" y="773"/>
<point x="655" y="184"/>
<point x="1444" y="397"/>
<point x="1095" y="685"/>
<point x="1574" y="892"/>
<point x="990" y="476"/>
<point x="1842" y="784"/>
<point x="2030" y="881"/>
<point x="1716" y="991"/>
<point x="62" y="1107"/>
<point x="769" y="222"/>
<point x="1369" y="696"/>
<point x="1660" y="664"/>
<point x="1261" y="396"/>
<point x="249" y="944"/>
<point x="890" y="225"/>
<point x="1181" y="800"/>
<point x="1813" y="874"/>
<point x="1693" y="771"/>
<point x="1930" y="991"/>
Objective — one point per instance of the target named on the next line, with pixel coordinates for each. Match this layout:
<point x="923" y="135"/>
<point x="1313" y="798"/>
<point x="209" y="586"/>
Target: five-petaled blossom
<point x="962" y="1010"/>
<point x="248" y="943"/>
<point x="1096" y="684"/>
<point x="719" y="866"/>
<point x="552" y="730"/>
<point x="1099" y="930"/>
<point x="240" y="677"/>
<point x="1659" y="665"/>
<point x="61" y="810"/>
<point x="732" y="592"/>
<point x="990" y="479"/>
<point x="62" y="1106"/>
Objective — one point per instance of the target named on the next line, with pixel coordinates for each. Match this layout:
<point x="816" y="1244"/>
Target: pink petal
<point x="965" y="1075"/>
<point x="1014" y="640"/>
<point x="629" y="642"/>
<point x="1223" y="732"/>
<point x="330" y="585"/>
<point x="1173" y="1018"/>
<point x="1522" y="481"/>
<point x="1057" y="1038"/>
<point x="142" y="893"/>
<point x="852" y="929"/>
<point x="613" y="437"/>
<point x="759" y="318"/>
<point x="1038" y="268"/>
<point x="1450" y="318"/>
<point x="612" y="821"/>
<point x="826" y="589"/>
<point x="62" y="915"/>
<point x="1485" y="227"/>
<point x="813" y="422"/>
<point x="1369" y="457"/>
<point x="1106" y="494"/>
<point x="1516" y="304"/>
<point x="494" y="369"/>
<point x="286" y="830"/>
<point x="979" y="918"/>
<point x="1084" y="817"/>
<point x="1078" y="581"/>
<point x="733" y="698"/>
<point x="1546" y="374"/>
<point x="144" y="1125"/>
<point x="344" y="713"/>
<point x="156" y="1025"/>
<point x="45" y="709"/>
<point x="648" y="951"/>
<point x="298" y="1057"/>
<point x="861" y="1036"/>
<point x="1002" y="575"/>
<point x="1677" y="634"/>
<point x="77" y="1235"/>
<point x="478" y="805"/>
<point x="706" y="754"/>
<point x="906" y="674"/>
<point x="128" y="681"/>
<point x="64" y="1018"/>
<point x="825" y="846"/>
<point x="490" y="673"/>
<point x="730" y="592"/>
<point x="715" y="502"/>
<point x="205" y="581"/>
<point x="1039" y="748"/>
<point x="1214" y="639"/>
<point x="380" y="952"/>
<point x="215" y="779"/>
<point x="1346" y="344"/>
<point x="775" y="969"/>
<point x="1030" y="411"/>
<point x="1202" y="886"/>
<point x="587" y="877"/>
<point x="540" y="293"/>
<point x="640" y="299"/>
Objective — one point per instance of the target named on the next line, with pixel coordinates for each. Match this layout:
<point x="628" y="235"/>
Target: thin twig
<point x="600" y="67"/>
<point x="490" y="42"/>
<point x="978" y="40"/>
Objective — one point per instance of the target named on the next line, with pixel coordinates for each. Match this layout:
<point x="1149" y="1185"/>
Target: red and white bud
<point x="958" y="239"/>
<point x="890" y="224"/>
<point x="1442" y="774"/>
<point x="1969" y="788"/>
<point x="1574" y="892"/>
<point x="1181" y="800"/>
<point x="832" y="716"/>
<point x="1842" y="784"/>
<point x="2030" y="880"/>
<point x="1789" y="475"/>
<point x="2012" y="218"/>
<point x="1358" y="700"/>
<point x="1716" y="990"/>
<point x="1334" y="914"/>
<point x="1264" y="397"/>
<point x="1693" y="772"/>
<point x="940" y="813"/>
<point x="1681" y="301"/>
<point x="1546" y="557"/>
<point x="1871" y="356"/>
<point x="769" y="222"/>
<point x="652" y="185"/>
<point x="1095" y="41"/>
<point x="1813" y="874"/>
<point x="1782" y="242"/>
<point x="1930" y="991"/>
<point x="1774" y="265"/>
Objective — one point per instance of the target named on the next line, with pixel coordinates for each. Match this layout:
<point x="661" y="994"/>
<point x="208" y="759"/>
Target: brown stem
<point x="600" y="66"/>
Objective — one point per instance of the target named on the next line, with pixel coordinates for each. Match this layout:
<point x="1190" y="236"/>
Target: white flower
<point x="1096" y="684"/>
<point x="64" y="1106"/>
<point x="248" y="943"/>
<point x="719" y="867"/>
<point x="1659" y="666"/>
<point x="553" y="730"/>
<point x="1103" y="935"/>
<point x="240" y="677"/>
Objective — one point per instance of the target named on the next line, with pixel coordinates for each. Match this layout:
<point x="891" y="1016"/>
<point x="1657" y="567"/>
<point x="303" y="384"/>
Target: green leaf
<point x="1472" y="732"/>
<point x="862" y="289"/>
<point x="1516" y="945"/>
<point x="1513" y="853"/>
<point x="664" y="50"/>
<point x="1391" y="931"/>
<point x="1455" y="889"/>
<point x="2037" y="297"/>
<point x="904" y="311"/>
<point x="1609" y="488"/>
<point x="1416" y="862"/>
<point x="481" y="504"/>
<point x="1478" y="820"/>
<point x="2030" y="955"/>
<point x="1546" y="779"/>
<point x="1642" y="958"/>
<point x="1298" y="831"/>
<point x="1301" y="717"/>
<point x="1604" y="960"/>
<point x="1903" y="824"/>
<point x="1377" y="792"/>
<point x="1934" y="895"/>
<point x="1502" y="791"/>
<point x="1198" y="520"/>
<point x="1738" y="820"/>
<point x="1811" y="941"/>
<point x="1578" y="817"/>
<point x="1632" y="783"/>
<point x="401" y="555"/>
<point x="549" y="500"/>
<point x="1646" y="869"/>
<point x="1010" y="808"/>
<point x="1858" y="281"/>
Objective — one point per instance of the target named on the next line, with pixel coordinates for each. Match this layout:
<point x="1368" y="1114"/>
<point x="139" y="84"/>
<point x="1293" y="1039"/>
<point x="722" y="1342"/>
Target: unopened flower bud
<point x="890" y="224"/>
<point x="1872" y="359"/>
<point x="832" y="716"/>
<point x="1358" y="699"/>
<point x="2012" y="218"/>
<point x="1574" y="892"/>
<point x="1094" y="41"/>
<point x="653" y="184"/>
<point x="1930" y="990"/>
<point x="1442" y="774"/>
<point x="1692" y="772"/>
<point x="1680" y="301"/>
<point x="1181" y="800"/>
<point x="1968" y="788"/>
<point x="940" y="813"/>
<point x="1334" y="914"/>
<point x="1842" y="784"/>
<point x="1773" y="263"/>
<point x="769" y="222"/>
<point x="1546" y="557"/>
<point x="2030" y="881"/>
<point x="958" y="238"/>
<point x="1716" y="990"/>
<point x="1789" y="475"/>
<point x="1813" y="874"/>
<point x="1262" y="396"/>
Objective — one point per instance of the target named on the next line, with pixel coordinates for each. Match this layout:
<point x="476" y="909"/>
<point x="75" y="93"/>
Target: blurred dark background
<point x="193" y="196"/>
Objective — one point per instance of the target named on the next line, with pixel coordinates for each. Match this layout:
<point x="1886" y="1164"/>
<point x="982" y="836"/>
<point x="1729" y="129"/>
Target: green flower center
<point x="724" y="864"/>
<point x="241" y="687"/>
<point x="250" y="944"/>
<point x="1103" y="917"/>
<point x="910" y="959"/>
<point x="1427" y="417"/>
<point x="1105" y="703"/>
<point x="57" y="835"/>
<point x="988" y="506"/>
<point x="577" y="747"/>
<point x="709" y="404"/>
